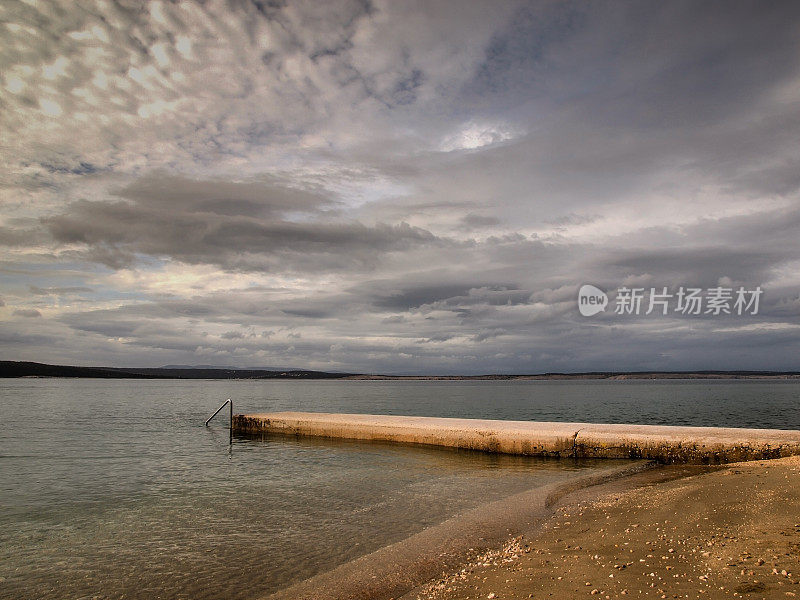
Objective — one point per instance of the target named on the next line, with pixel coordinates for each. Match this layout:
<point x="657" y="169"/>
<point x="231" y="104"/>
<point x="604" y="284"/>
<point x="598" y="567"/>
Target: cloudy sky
<point x="396" y="186"/>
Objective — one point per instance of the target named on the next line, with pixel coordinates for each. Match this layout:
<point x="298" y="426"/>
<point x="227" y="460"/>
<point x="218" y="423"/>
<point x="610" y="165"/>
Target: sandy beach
<point x="732" y="532"/>
<point x="676" y="530"/>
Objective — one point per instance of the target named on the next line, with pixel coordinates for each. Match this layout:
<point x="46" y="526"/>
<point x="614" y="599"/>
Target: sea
<point x="116" y="489"/>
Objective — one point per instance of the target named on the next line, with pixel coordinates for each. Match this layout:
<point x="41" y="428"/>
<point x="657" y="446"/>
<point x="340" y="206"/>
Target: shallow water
<point x="114" y="489"/>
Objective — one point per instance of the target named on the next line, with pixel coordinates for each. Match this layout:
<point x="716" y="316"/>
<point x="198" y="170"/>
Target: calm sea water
<point x="112" y="489"/>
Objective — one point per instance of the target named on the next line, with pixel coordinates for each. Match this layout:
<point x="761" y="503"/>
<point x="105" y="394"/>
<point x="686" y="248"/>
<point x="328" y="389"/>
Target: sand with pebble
<point x="730" y="533"/>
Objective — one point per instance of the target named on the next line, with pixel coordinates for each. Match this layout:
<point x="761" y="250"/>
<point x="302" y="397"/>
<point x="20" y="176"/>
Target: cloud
<point x="234" y="226"/>
<point x="396" y="186"/>
<point x="266" y="197"/>
<point x="27" y="312"/>
<point x="57" y="291"/>
<point x="414" y="296"/>
<point x="473" y="221"/>
<point x="10" y="236"/>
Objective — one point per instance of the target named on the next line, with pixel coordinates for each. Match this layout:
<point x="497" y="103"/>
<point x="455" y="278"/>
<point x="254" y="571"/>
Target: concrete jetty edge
<point x="665" y="444"/>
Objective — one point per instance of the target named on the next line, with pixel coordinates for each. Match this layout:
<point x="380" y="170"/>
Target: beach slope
<point x="731" y="533"/>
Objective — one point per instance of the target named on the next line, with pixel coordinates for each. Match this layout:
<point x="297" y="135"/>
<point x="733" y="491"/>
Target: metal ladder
<point x="229" y="402"/>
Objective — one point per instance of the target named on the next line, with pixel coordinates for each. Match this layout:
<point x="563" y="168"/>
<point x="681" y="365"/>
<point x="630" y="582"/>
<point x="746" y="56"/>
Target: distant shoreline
<point x="18" y="369"/>
<point x="573" y="376"/>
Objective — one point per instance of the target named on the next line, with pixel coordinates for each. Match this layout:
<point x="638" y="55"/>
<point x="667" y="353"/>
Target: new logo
<point x="591" y="300"/>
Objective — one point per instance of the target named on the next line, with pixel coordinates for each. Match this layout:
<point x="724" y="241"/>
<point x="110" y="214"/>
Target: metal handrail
<point x="229" y="403"/>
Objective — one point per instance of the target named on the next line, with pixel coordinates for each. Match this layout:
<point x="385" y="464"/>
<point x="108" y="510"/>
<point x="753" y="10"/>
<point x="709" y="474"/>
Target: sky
<point x="398" y="186"/>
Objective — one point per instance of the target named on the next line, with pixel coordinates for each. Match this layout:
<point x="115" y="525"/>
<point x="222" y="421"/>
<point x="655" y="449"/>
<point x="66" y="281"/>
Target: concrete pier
<point x="708" y="445"/>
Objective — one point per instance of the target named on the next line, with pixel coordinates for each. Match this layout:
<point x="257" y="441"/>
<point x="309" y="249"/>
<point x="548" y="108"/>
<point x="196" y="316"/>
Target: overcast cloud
<point x="397" y="186"/>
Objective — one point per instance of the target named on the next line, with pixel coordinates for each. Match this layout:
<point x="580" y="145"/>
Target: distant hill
<point x="226" y="368"/>
<point x="612" y="375"/>
<point x="201" y="367"/>
<point x="10" y="368"/>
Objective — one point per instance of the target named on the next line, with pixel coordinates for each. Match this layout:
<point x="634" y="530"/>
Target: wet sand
<point x="393" y="571"/>
<point x="730" y="533"/>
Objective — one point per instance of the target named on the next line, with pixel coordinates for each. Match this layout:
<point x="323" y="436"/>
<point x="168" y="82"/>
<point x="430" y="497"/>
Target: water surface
<point x="113" y="488"/>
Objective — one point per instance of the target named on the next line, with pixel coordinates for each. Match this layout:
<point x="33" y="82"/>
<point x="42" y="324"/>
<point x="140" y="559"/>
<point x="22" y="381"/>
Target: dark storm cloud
<point x="233" y="335"/>
<point x="234" y="226"/>
<point x="449" y="296"/>
<point x="414" y="297"/>
<point x="242" y="307"/>
<point x="171" y="193"/>
<point x="113" y="325"/>
<point x="473" y="221"/>
<point x="20" y="339"/>
<point x="702" y="265"/>
<point x="308" y="313"/>
<point x="492" y="296"/>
